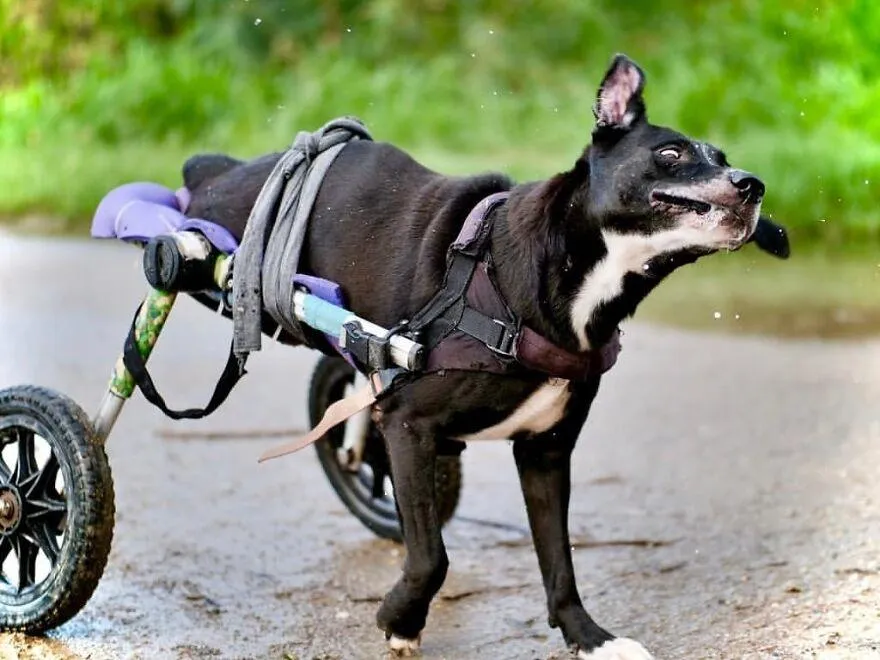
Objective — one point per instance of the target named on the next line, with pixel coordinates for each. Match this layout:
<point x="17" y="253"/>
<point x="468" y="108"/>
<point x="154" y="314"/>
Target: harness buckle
<point x="506" y="344"/>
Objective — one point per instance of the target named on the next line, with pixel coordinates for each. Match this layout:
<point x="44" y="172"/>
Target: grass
<point x="788" y="92"/>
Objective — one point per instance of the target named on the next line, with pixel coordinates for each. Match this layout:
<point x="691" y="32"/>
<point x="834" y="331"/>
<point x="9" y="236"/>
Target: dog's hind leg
<point x="544" y="465"/>
<point x="413" y="453"/>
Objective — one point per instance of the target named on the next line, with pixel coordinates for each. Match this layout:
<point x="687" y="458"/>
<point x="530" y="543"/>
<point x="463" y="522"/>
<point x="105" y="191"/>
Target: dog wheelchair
<point x="57" y="504"/>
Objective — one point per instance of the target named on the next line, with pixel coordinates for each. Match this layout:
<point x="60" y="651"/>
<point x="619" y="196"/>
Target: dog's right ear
<point x="619" y="104"/>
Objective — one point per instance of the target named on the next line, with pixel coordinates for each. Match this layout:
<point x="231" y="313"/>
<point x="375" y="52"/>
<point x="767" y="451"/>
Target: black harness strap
<point x="499" y="335"/>
<point x="445" y="311"/>
<point x="134" y="362"/>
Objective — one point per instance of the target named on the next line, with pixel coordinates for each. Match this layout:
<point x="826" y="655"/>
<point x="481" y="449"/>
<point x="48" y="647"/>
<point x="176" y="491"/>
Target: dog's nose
<point x="750" y="187"/>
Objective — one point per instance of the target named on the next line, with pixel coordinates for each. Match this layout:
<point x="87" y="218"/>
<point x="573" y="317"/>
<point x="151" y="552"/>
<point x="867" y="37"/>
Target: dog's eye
<point x="670" y="153"/>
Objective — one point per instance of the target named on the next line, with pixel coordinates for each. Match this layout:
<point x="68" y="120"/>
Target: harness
<point x="468" y="325"/>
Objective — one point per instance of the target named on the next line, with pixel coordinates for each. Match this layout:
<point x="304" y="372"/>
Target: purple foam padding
<point x="219" y="236"/>
<point x="105" y="219"/>
<point x="184" y="197"/>
<point x="140" y="211"/>
<point x="141" y="221"/>
<point x="326" y="290"/>
<point x="329" y="292"/>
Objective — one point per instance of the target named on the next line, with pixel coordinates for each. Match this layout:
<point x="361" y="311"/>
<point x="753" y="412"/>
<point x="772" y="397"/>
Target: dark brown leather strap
<point x="536" y="352"/>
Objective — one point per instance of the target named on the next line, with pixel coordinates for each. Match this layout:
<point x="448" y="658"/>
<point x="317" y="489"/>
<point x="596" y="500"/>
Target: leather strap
<point x="336" y="413"/>
<point x="535" y="351"/>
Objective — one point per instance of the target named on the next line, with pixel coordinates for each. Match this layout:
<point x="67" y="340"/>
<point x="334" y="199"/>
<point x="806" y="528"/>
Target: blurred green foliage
<point x="97" y="92"/>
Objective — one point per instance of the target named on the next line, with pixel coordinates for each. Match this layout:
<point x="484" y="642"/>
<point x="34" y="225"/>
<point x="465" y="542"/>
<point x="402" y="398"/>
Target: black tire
<point x="81" y="510"/>
<point x="379" y="514"/>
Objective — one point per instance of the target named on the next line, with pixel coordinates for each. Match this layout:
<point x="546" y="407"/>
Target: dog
<point x="574" y="256"/>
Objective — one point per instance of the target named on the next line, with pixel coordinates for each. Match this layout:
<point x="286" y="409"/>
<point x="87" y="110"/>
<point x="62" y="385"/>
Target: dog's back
<point x="380" y="226"/>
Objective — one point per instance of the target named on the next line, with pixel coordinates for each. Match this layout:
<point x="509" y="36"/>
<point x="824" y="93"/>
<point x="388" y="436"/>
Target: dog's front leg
<point x="544" y="465"/>
<point x="413" y="455"/>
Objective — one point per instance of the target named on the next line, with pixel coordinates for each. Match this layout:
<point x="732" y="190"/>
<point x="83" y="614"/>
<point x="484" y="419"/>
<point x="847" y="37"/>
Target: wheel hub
<point x="10" y="509"/>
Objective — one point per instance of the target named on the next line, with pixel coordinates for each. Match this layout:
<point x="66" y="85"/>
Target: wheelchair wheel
<point x="368" y="493"/>
<point x="56" y="509"/>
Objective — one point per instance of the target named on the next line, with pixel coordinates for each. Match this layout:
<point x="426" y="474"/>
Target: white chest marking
<point x="627" y="253"/>
<point x="537" y="414"/>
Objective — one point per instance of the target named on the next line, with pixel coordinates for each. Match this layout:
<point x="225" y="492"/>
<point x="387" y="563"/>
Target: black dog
<point x="574" y="255"/>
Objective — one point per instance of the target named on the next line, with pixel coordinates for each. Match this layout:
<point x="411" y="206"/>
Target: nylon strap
<point x="137" y="367"/>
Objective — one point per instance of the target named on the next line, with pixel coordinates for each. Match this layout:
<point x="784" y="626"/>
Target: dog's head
<point x="642" y="201"/>
<point x="670" y="192"/>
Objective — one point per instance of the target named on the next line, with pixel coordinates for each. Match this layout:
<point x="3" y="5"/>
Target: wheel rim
<point x="33" y="508"/>
<point x="371" y="484"/>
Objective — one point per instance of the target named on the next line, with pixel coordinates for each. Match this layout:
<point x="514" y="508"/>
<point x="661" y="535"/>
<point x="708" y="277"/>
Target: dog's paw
<point x="404" y="648"/>
<point x="619" y="648"/>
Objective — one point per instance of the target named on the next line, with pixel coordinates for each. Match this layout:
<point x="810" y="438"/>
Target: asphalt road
<point x="726" y="497"/>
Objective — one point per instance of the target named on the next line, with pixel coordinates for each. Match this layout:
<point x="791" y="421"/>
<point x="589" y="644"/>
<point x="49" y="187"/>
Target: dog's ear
<point x="771" y="238"/>
<point x="619" y="104"/>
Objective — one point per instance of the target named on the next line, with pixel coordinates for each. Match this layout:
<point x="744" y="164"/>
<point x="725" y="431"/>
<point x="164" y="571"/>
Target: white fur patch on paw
<point x="617" y="649"/>
<point x="405" y="648"/>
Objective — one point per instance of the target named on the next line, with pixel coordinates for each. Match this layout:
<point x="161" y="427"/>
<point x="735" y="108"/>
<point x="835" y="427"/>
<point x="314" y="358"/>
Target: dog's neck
<point x="560" y="273"/>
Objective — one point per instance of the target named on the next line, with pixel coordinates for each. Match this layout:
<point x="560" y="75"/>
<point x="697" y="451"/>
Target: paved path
<point x="746" y="472"/>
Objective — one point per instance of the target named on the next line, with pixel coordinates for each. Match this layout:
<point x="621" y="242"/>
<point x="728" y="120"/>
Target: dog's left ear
<point x="619" y="104"/>
<point x="771" y="238"/>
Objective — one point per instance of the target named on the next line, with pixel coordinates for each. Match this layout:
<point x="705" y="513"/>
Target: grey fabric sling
<point x="268" y="256"/>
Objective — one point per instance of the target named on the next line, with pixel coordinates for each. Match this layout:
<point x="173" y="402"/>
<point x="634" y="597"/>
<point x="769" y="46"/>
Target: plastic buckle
<point x="506" y="345"/>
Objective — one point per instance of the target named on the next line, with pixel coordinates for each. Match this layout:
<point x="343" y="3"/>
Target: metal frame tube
<point x="147" y="327"/>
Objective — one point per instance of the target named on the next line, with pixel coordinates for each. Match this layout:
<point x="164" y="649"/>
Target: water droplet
<point x="785" y="33"/>
<point x="491" y="31"/>
<point x="736" y="316"/>
<point x="555" y="109"/>
<point x="473" y="54"/>
<point x="802" y="113"/>
<point x="348" y="29"/>
<point x="717" y="315"/>
<point x="822" y="220"/>
<point x="257" y="21"/>
<point x="866" y="182"/>
<point x="495" y="93"/>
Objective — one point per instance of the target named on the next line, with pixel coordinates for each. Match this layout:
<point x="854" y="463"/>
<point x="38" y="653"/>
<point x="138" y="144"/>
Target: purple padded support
<point x="139" y="211"/>
<point x="329" y="292"/>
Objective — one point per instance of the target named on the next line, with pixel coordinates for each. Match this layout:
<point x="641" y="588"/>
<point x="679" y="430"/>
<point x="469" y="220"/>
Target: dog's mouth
<point x="695" y="205"/>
